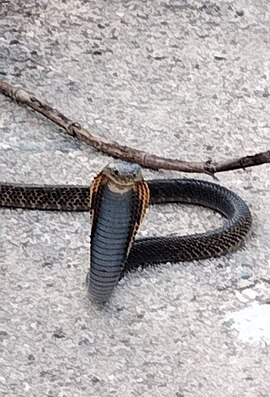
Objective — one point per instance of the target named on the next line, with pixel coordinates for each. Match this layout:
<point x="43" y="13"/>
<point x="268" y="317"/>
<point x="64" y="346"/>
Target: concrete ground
<point x="181" y="78"/>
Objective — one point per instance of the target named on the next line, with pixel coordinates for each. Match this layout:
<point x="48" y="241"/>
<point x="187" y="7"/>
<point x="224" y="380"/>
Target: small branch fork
<point x="126" y="153"/>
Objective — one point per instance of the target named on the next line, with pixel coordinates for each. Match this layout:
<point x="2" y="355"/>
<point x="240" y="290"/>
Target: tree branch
<point x="116" y="150"/>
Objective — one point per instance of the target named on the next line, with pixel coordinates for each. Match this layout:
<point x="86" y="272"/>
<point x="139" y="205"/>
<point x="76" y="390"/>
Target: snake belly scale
<point x="117" y="200"/>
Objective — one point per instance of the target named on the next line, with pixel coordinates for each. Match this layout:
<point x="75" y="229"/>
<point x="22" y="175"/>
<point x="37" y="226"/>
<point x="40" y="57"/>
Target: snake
<point x="117" y="200"/>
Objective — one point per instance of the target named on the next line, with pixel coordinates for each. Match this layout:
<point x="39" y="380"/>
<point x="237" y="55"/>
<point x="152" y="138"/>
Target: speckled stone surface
<point x="186" y="79"/>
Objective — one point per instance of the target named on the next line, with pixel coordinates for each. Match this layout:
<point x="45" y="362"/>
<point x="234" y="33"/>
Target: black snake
<point x="117" y="200"/>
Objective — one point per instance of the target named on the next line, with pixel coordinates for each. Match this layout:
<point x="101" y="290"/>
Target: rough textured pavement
<point x="186" y="79"/>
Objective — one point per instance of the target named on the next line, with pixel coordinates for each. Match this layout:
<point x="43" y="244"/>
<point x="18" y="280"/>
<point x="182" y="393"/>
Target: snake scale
<point x="117" y="200"/>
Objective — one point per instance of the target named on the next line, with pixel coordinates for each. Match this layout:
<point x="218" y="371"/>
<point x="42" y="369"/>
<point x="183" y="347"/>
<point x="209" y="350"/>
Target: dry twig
<point x="116" y="150"/>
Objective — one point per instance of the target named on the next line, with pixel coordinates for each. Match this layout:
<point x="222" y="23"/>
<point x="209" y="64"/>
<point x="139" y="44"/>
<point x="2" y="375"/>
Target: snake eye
<point x="116" y="172"/>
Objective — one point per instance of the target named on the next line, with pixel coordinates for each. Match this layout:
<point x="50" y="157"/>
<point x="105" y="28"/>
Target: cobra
<point x="117" y="200"/>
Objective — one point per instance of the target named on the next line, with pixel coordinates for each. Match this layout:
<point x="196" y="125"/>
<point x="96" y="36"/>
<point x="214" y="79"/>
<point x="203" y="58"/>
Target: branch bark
<point x="116" y="150"/>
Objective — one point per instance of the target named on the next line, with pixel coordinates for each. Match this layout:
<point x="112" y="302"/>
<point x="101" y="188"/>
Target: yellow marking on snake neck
<point x="117" y="188"/>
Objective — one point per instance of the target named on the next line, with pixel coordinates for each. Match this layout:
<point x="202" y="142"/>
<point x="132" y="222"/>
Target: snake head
<point x="122" y="173"/>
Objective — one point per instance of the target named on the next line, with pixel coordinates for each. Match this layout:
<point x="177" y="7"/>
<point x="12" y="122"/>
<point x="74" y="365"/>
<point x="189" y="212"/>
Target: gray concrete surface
<point x="186" y="79"/>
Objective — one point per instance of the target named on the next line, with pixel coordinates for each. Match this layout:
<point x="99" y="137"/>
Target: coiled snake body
<point x="117" y="200"/>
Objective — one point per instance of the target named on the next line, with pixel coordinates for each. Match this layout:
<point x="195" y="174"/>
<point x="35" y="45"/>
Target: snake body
<point x="117" y="207"/>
